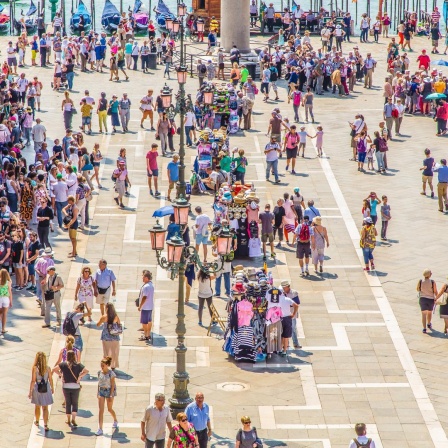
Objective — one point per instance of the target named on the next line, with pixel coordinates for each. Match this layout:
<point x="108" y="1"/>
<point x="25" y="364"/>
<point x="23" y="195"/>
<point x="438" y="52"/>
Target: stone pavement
<point x="364" y="357"/>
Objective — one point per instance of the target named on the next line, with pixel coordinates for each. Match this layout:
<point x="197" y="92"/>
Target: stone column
<point x="235" y="24"/>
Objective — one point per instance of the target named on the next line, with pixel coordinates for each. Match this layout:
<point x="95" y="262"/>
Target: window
<point x="201" y="4"/>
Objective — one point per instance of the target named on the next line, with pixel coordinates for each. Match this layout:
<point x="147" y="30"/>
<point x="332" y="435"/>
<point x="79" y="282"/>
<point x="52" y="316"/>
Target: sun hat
<point x="317" y="220"/>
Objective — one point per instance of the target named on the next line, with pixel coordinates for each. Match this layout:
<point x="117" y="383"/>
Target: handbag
<point x="115" y="328"/>
<point x="74" y="111"/>
<point x="66" y="220"/>
<point x="109" y="111"/>
<point x="88" y="167"/>
<point x="49" y="294"/>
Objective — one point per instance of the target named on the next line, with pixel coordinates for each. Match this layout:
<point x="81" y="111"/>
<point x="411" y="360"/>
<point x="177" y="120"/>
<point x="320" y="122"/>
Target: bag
<point x="383" y="145"/>
<point x="115" y="329"/>
<point x="42" y="386"/>
<point x="274" y="75"/>
<point x="173" y="130"/>
<point x="443" y="299"/>
<point x="304" y="234"/>
<point x="102" y="290"/>
<point x="395" y="113"/>
<point x="297" y="96"/>
<point x="68" y="327"/>
<point x="74" y="111"/>
<point x="257" y="439"/>
<point x="137" y="302"/>
<point x="361" y="145"/>
<point x="353" y="133"/>
<point x="360" y="445"/>
<point x="49" y="294"/>
<point x="109" y="111"/>
<point x="66" y="220"/>
<point x="203" y="69"/>
<point x="233" y="76"/>
<point x="255" y="90"/>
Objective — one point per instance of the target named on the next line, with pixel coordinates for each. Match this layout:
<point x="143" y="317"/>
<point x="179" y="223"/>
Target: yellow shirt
<point x="439" y="87"/>
<point x="85" y="110"/>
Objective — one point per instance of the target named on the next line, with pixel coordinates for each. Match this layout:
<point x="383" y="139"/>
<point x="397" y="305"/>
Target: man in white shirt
<point x="153" y="423"/>
<point x="361" y="440"/>
<point x="72" y="180"/>
<point x="298" y="13"/>
<point x="269" y="16"/>
<point x="38" y="133"/>
<point x="60" y="191"/>
<point x="22" y="85"/>
<point x="89" y="99"/>
<point x="201" y="228"/>
<point x="147" y="108"/>
<point x="146" y="305"/>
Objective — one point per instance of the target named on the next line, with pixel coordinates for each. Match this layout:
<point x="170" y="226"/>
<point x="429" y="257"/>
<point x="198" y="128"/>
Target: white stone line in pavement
<point x="363" y="386"/>
<point x="257" y="145"/>
<point x="333" y="307"/>
<point x="419" y="391"/>
<point x="341" y="336"/>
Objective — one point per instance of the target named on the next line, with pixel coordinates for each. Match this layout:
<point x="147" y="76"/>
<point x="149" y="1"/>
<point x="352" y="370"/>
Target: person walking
<point x="205" y="292"/>
<point x="201" y="227"/>
<point x="247" y="437"/>
<point x="368" y="242"/>
<point x="41" y="389"/>
<point x="183" y="433"/>
<point x="308" y="104"/>
<point x="102" y="112"/>
<point x="5" y="297"/>
<point x="361" y="439"/>
<point x="113" y="112"/>
<point x="198" y="414"/>
<point x="427" y="293"/>
<point x="120" y="175"/>
<point x="318" y="242"/>
<point x="291" y="148"/>
<point x="294" y="296"/>
<point x="304" y="232"/>
<point x="110" y="335"/>
<point x="442" y="300"/>
<point x="272" y="151"/>
<point x="163" y="128"/>
<point x="147" y="109"/>
<point x="104" y="284"/>
<point x="124" y="109"/>
<point x="442" y="176"/>
<point x="385" y="217"/>
<point x="72" y="373"/>
<point x="67" y="107"/>
<point x="107" y="391"/>
<point x="52" y="295"/>
<point x="146" y="305"/>
<point x="85" y="290"/>
<point x="45" y="216"/>
<point x="427" y="175"/>
<point x="156" y="419"/>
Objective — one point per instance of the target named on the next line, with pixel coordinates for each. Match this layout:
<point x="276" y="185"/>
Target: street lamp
<point x="166" y="96"/>
<point x="176" y="260"/>
<point x="176" y="26"/>
<point x="181" y="10"/>
<point x="208" y="95"/>
<point x="200" y="24"/>
<point x="182" y="72"/>
<point x="169" y="24"/>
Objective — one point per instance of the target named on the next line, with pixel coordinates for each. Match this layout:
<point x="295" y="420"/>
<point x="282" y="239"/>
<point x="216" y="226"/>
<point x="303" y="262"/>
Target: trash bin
<point x="152" y="61"/>
<point x="251" y="67"/>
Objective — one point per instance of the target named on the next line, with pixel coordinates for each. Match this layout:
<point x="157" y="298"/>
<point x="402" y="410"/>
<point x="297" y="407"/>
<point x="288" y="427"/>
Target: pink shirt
<point x="245" y="313"/>
<point x="274" y="314"/>
<point x="152" y="157"/>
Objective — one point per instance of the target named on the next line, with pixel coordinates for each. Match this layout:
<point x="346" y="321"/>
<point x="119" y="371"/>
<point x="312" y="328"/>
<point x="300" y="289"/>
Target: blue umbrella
<point x="164" y="211"/>
<point x="440" y="62"/>
<point x="435" y="96"/>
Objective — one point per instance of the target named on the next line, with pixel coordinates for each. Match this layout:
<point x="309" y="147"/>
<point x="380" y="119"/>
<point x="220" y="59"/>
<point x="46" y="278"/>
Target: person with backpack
<point x="361" y="440"/>
<point x="361" y="147"/>
<point x="273" y="79"/>
<point x="368" y="242"/>
<point x="426" y="293"/>
<point x="72" y="373"/>
<point x="51" y="289"/>
<point x="304" y="232"/>
<point x="296" y="97"/>
<point x="247" y="437"/>
<point x="291" y="148"/>
<point x="70" y="326"/>
<point x="201" y="71"/>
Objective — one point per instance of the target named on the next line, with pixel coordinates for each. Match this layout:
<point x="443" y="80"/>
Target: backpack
<point x="304" y="234"/>
<point x="360" y="445"/>
<point x="296" y="98"/>
<point x="68" y="327"/>
<point x="274" y="75"/>
<point x="361" y="146"/>
<point x="383" y="145"/>
<point x="203" y="69"/>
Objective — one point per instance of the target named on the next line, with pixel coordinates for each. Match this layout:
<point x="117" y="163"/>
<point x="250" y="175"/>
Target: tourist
<point x="107" y="391"/>
<point x="427" y="175"/>
<point x="104" y="284"/>
<point x="70" y="220"/>
<point x="154" y="421"/>
<point x="113" y="112"/>
<point x="367" y="242"/>
<point x="72" y="373"/>
<point x="272" y="151"/>
<point x="51" y="289"/>
<point x="294" y="296"/>
<point x="183" y="433"/>
<point x="198" y="415"/>
<point x="277" y="228"/>
<point x="247" y="437"/>
<point x="147" y="109"/>
<point x="304" y="233"/>
<point x="5" y="297"/>
<point x="110" y="334"/>
<point x="442" y="176"/>
<point x="385" y="217"/>
<point x="124" y="109"/>
<point x="152" y="169"/>
<point x="85" y="291"/>
<point x="146" y="305"/>
<point x="120" y="175"/>
<point x="319" y="240"/>
<point x="163" y="128"/>
<point x="266" y="220"/>
<point x="102" y="112"/>
<point x="205" y="292"/>
<point x="172" y="170"/>
<point x="427" y="293"/>
<point x="291" y="148"/>
<point x="41" y="389"/>
<point x="361" y="438"/>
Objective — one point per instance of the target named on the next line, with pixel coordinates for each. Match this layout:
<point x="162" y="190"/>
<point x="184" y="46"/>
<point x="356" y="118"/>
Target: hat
<point x="285" y="283"/>
<point x="423" y="51"/>
<point x="38" y="163"/>
<point x="253" y="197"/>
<point x="368" y="220"/>
<point x="238" y="267"/>
<point x="296" y="190"/>
<point x="239" y="288"/>
<point x="41" y="172"/>
<point x="317" y="220"/>
<point x="302" y="127"/>
<point x="51" y="268"/>
<point x="338" y="26"/>
<point x="48" y="252"/>
<point x="59" y="176"/>
<point x="121" y="162"/>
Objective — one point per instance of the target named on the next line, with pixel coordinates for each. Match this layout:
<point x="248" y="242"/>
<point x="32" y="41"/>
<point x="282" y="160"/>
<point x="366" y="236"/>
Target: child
<point x="319" y="140"/>
<point x="385" y="217"/>
<point x="57" y="150"/>
<point x="302" y="144"/>
<point x="74" y="158"/>
<point x="369" y="156"/>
